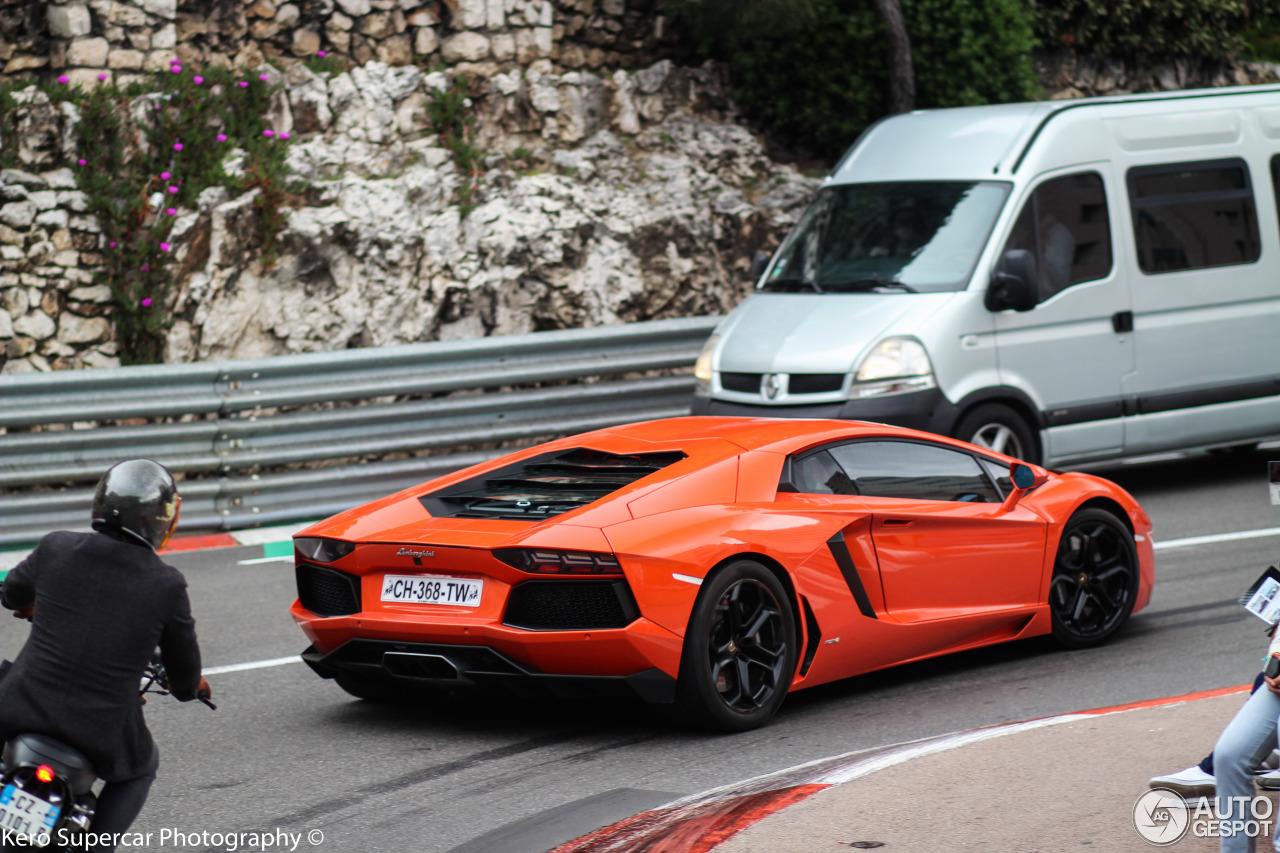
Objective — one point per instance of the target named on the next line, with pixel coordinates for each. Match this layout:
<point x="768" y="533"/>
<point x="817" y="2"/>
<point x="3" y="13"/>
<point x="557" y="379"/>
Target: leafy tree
<point x="814" y="72"/>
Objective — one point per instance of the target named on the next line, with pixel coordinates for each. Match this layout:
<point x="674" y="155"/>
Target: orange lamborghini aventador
<point x="714" y="563"/>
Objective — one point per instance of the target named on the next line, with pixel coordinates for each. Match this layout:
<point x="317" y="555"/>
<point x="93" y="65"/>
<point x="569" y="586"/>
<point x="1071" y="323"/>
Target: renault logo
<point x="771" y="385"/>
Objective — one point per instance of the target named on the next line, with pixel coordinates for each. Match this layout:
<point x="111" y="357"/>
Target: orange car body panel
<point x="938" y="576"/>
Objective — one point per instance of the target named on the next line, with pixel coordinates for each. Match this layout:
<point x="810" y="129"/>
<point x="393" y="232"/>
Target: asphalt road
<point x="287" y="751"/>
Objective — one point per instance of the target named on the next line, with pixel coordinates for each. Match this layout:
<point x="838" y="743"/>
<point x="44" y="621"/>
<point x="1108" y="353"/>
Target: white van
<point x="1062" y="281"/>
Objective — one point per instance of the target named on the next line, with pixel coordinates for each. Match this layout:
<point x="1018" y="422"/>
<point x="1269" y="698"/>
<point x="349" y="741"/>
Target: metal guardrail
<point x="290" y="438"/>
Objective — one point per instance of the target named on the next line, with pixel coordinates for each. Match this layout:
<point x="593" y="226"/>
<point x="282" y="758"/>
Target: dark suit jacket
<point x="101" y="608"/>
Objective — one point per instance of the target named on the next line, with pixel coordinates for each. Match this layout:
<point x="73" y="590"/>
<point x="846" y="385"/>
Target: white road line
<point x="285" y="559"/>
<point x="1217" y="537"/>
<point x="257" y="664"/>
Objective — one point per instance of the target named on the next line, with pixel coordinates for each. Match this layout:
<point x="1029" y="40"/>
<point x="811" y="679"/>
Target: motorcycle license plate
<point x="25" y="815"/>
<point x="432" y="589"/>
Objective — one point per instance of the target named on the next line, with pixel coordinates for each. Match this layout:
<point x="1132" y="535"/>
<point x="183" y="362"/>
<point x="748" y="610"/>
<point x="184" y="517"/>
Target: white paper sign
<point x="1265" y="602"/>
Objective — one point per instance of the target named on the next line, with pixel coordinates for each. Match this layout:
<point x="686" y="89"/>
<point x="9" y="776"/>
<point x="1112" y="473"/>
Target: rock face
<point x="620" y="227"/>
<point x="593" y="195"/>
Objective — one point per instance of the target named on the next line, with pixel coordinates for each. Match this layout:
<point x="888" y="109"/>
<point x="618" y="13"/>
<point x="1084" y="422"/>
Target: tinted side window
<point x="999" y="473"/>
<point x="1066" y="228"/>
<point x="1190" y="216"/>
<point x="818" y="474"/>
<point x="1275" y="179"/>
<point x="907" y="469"/>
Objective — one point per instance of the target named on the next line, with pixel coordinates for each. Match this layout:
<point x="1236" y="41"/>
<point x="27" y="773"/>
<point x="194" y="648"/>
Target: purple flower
<point x="197" y="80"/>
<point x="102" y="76"/>
<point x="176" y="69"/>
<point x="173" y="211"/>
<point x="177" y="146"/>
<point x="284" y="136"/>
<point x="112" y="244"/>
<point x="83" y="162"/>
<point x="243" y="84"/>
<point x="268" y="133"/>
<point x="263" y="77"/>
<point x="222" y="137"/>
<point x="164" y="176"/>
<point x="321" y="54"/>
<point x="173" y="189"/>
<point x="146" y="302"/>
<point x="164" y="247"/>
<point x="64" y="79"/>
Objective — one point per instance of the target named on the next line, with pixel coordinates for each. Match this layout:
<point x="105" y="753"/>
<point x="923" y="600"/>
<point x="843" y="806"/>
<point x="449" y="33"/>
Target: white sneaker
<point x="1268" y="780"/>
<point x="1192" y="782"/>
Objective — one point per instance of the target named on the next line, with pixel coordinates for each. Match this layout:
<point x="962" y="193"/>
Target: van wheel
<point x="1001" y="429"/>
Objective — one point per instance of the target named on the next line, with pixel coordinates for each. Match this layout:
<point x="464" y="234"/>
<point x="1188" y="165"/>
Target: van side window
<point x="1189" y="216"/>
<point x="1066" y="228"/>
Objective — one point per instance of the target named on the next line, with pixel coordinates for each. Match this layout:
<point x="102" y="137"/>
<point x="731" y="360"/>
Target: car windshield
<point x="907" y="236"/>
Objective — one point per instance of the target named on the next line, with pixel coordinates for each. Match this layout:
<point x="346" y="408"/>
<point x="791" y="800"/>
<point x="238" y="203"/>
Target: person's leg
<point x="1206" y="763"/>
<point x="119" y="805"/>
<point x="1247" y="740"/>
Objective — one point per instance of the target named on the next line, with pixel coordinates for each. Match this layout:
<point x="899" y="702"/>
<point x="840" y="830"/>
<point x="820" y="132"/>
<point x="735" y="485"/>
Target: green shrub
<point x="1146" y="32"/>
<point x="165" y="137"/>
<point x="813" y="71"/>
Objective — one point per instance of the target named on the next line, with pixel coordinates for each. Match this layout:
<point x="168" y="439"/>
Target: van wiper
<point x="860" y="284"/>
<point x="793" y="284"/>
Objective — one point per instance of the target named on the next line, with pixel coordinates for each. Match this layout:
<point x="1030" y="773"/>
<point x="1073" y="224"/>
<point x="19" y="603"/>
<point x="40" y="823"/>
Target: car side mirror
<point x="1025" y="478"/>
<point x="758" y="265"/>
<point x="1014" y="284"/>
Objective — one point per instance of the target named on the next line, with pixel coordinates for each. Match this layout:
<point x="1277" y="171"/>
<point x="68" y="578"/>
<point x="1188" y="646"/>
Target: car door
<point x="944" y="545"/>
<point x="1072" y="352"/>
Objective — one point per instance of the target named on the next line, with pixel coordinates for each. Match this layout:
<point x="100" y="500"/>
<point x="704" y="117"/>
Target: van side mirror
<point x="1014" y="284"/>
<point x="758" y="265"/>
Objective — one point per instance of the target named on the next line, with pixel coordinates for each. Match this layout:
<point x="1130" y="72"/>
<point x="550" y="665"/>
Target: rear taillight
<point x="542" y="561"/>
<point x="45" y="773"/>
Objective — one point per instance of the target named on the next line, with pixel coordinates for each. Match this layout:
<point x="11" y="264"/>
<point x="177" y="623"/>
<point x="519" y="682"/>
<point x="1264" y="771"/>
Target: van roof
<point x="985" y="142"/>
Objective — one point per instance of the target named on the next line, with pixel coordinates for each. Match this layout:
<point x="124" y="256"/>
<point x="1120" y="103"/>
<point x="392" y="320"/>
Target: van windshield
<point x="910" y="236"/>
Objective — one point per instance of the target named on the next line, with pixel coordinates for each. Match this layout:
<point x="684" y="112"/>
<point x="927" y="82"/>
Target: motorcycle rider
<point x="99" y="605"/>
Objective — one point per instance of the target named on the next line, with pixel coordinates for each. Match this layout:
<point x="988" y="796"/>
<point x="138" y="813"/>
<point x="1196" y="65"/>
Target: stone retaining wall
<point x="85" y="39"/>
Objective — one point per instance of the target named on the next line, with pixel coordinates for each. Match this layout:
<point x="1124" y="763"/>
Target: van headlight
<point x="894" y="366"/>
<point x="702" y="367"/>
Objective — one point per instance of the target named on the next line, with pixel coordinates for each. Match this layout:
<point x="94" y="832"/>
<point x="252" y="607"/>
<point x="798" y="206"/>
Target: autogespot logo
<point x="1161" y="817"/>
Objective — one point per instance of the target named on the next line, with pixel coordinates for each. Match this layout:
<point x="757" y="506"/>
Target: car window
<point x="998" y="473"/>
<point x="1064" y="225"/>
<point x="1190" y="216"/>
<point x="913" y="469"/>
<point x="819" y="474"/>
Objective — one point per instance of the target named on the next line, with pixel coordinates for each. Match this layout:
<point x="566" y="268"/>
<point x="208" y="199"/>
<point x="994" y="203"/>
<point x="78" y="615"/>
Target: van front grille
<point x="746" y="383"/>
<point x="798" y="383"/>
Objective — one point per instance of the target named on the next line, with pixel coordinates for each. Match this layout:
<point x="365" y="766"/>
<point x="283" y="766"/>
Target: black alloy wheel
<point x="740" y="649"/>
<point x="1095" y="579"/>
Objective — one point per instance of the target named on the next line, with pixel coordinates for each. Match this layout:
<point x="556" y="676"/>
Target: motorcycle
<point x="46" y="787"/>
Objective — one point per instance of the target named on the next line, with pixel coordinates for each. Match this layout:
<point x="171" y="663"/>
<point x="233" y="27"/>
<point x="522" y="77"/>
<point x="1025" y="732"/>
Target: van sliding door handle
<point x="1122" y="321"/>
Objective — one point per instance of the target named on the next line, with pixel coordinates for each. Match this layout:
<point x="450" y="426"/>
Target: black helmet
<point x="137" y="500"/>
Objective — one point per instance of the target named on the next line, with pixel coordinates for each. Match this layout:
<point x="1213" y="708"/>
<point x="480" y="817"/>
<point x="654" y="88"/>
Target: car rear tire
<point x="998" y="427"/>
<point x="739" y="651"/>
<point x="1095" y="579"/>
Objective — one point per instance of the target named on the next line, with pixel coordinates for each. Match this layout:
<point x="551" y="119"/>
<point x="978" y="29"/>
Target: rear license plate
<point x="24" y="815"/>
<point x="432" y="589"/>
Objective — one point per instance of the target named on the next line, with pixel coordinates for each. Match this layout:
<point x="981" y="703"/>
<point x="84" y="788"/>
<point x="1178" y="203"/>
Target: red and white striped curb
<point x="698" y="824"/>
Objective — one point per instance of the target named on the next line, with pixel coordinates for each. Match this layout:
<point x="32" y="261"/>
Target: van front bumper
<point x="927" y="410"/>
